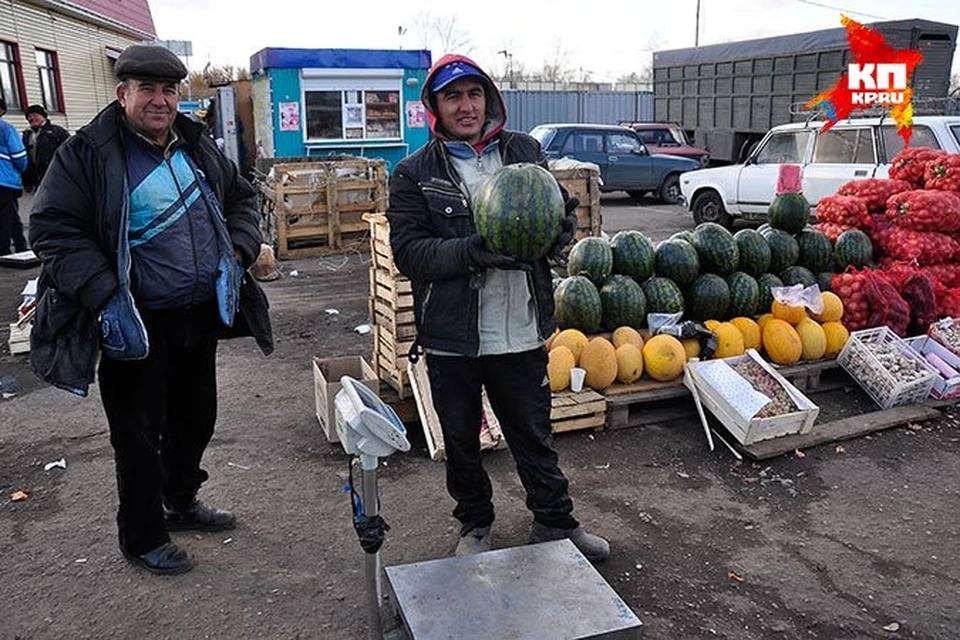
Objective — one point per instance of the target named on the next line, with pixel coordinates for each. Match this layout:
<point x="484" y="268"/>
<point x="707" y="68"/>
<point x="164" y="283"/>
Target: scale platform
<point x="534" y="591"/>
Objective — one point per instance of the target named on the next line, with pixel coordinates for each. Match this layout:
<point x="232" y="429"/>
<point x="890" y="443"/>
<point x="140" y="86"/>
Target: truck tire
<point x="708" y="207"/>
<point x="669" y="192"/>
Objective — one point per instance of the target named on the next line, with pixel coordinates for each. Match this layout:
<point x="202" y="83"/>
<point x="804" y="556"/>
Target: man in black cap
<point x="145" y="230"/>
<point x="41" y="140"/>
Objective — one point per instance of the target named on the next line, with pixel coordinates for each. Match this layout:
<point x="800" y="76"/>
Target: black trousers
<point x="11" y="228"/>
<point x="161" y="412"/>
<point x="520" y="397"/>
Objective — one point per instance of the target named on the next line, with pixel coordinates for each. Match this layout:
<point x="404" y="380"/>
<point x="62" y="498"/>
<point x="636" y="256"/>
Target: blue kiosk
<point x="322" y="102"/>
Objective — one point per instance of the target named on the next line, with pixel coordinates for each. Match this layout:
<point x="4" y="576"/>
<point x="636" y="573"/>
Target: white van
<point x="852" y="149"/>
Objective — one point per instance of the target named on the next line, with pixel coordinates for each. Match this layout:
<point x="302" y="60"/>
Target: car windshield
<point x="543" y="135"/>
<point x="921" y="137"/>
<point x="784" y="147"/>
<point x="658" y="137"/>
<point x="679" y="135"/>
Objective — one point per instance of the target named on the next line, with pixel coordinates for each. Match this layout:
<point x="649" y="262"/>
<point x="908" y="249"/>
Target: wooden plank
<point x="399" y="284"/>
<point x="645" y="391"/>
<point x="400" y="331"/>
<point x="321" y="233"/>
<point x="333" y="210"/>
<point x="622" y="416"/>
<point x="399" y="316"/>
<point x="845" y="429"/>
<point x="595" y="422"/>
<point x="398" y="301"/>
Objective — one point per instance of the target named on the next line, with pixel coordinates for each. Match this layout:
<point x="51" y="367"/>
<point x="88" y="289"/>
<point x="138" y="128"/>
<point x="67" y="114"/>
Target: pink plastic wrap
<point x="789" y="180"/>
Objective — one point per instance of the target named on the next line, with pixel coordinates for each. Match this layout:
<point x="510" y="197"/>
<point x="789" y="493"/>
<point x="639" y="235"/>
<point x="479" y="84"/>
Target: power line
<point x="828" y="6"/>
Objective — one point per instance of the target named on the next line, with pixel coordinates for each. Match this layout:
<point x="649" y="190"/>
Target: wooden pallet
<point x="573" y="411"/>
<point x="585" y="185"/>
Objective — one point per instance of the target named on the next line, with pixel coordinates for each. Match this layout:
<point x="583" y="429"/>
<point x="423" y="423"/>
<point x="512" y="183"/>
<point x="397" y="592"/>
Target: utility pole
<point x="696" y="36"/>
<point x="509" y="58"/>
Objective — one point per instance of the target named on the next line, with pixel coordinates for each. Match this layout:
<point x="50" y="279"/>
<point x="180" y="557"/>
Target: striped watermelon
<point x="577" y="305"/>
<point x="518" y="211"/>
<point x="744" y="295"/>
<point x="677" y="260"/>
<point x="591" y="257"/>
<point x="789" y="212"/>
<point x="754" y="251"/>
<point x="708" y="298"/>
<point x="663" y="296"/>
<point x="853" y="247"/>
<point x="716" y="248"/>
<point x="797" y="275"/>
<point x="623" y="303"/>
<point x="633" y="255"/>
<point x="765" y="282"/>
<point x="784" y="250"/>
<point x="816" y="251"/>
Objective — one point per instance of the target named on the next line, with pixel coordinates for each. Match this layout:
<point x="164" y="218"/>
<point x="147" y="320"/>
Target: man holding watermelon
<point x="482" y="317"/>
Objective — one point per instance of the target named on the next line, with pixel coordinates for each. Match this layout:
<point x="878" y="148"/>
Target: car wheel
<point x="670" y="190"/>
<point x="707" y="207"/>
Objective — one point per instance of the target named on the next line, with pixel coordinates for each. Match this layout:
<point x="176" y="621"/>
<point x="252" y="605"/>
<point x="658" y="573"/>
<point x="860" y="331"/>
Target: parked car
<point x="624" y="161"/>
<point x="853" y="149"/>
<point x="668" y="138"/>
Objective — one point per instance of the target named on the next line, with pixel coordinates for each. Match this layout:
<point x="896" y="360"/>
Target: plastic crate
<point x="859" y="361"/>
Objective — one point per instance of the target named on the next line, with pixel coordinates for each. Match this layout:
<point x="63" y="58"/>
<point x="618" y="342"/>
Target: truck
<point x="731" y="94"/>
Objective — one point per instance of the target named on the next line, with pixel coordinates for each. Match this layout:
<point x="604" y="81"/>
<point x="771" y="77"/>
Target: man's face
<point x="150" y="105"/>
<point x="462" y="109"/>
<point x="36" y="120"/>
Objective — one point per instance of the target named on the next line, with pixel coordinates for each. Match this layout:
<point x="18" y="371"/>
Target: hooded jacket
<point x="431" y="221"/>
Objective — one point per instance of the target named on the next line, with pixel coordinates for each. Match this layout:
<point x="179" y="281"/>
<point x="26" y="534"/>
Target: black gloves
<point x="568" y="228"/>
<point x="479" y="257"/>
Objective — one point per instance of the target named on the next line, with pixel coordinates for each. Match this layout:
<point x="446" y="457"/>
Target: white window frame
<point x="342" y="80"/>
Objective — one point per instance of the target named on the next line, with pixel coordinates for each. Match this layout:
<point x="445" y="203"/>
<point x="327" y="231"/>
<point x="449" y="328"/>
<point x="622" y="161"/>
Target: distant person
<point x="145" y="231"/>
<point x="13" y="162"/>
<point x="41" y="140"/>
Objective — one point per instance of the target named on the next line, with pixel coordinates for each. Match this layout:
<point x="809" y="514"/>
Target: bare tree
<point x="442" y="33"/>
<point x="202" y="84"/>
<point x="556" y="68"/>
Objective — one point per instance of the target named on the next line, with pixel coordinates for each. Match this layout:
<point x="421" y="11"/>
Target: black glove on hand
<point x="568" y="228"/>
<point x="478" y="256"/>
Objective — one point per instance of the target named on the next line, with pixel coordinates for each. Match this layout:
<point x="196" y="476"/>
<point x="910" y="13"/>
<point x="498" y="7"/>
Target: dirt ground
<point x="857" y="541"/>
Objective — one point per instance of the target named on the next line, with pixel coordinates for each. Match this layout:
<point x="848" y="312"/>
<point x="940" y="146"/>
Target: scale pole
<point x="371" y="508"/>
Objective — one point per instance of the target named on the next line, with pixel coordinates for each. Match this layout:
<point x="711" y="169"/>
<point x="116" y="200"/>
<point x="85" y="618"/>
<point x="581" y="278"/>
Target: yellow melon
<point x="832" y="308"/>
<point x="812" y="339"/>
<point x="627" y="335"/>
<point x="729" y="341"/>
<point x="599" y="360"/>
<point x="549" y="343"/>
<point x="664" y="357"/>
<point x="836" y="335"/>
<point x="791" y="314"/>
<point x="558" y="367"/>
<point x="629" y="363"/>
<point x="781" y="342"/>
<point x="571" y="339"/>
<point x="711" y="324"/>
<point x="762" y="320"/>
<point x="692" y="347"/>
<point x="750" y="331"/>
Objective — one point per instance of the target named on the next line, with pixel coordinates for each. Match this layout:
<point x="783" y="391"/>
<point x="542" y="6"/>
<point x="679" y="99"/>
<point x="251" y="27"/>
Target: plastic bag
<point x="656" y="321"/>
<point x="887" y="307"/>
<point x="797" y="295"/>
<point x="919" y="290"/>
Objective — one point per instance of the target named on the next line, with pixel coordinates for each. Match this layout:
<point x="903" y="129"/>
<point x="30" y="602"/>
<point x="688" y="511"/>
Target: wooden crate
<point x="571" y="411"/>
<point x="585" y="185"/>
<point x="319" y="207"/>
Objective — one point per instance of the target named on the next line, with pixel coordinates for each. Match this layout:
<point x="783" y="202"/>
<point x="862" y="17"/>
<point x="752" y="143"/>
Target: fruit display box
<point x="943" y="388"/>
<point x="748" y="431"/>
<point x="886" y="367"/>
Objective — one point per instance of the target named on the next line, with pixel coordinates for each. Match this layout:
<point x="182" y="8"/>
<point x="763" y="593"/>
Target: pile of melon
<point x="623" y="358"/>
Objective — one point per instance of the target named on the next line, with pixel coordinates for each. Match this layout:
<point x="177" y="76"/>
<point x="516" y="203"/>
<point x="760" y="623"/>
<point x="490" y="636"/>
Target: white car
<point x="851" y="150"/>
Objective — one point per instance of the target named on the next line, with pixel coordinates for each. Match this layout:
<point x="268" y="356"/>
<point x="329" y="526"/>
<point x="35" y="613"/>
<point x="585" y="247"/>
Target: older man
<point x="145" y="229"/>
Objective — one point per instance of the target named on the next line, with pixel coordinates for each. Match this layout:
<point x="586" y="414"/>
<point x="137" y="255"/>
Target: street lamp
<point x="509" y="58"/>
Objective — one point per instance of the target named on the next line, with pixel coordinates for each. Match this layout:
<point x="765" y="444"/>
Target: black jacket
<point x="430" y="222"/>
<point x="48" y="139"/>
<point x="74" y="231"/>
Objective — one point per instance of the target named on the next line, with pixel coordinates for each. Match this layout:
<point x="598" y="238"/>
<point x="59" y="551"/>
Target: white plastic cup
<point x="576" y="379"/>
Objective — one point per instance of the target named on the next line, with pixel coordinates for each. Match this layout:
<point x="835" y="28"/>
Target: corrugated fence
<point x="527" y="109"/>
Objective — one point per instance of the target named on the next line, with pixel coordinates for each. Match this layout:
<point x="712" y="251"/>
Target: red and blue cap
<point x="454" y="71"/>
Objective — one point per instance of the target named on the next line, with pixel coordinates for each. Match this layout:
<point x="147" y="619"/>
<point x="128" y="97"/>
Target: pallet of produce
<point x="886" y="367"/>
<point x="572" y="411"/>
<point x="751" y="399"/>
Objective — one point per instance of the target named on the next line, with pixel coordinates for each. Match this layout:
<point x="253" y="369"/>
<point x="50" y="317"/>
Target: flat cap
<point x="144" y="61"/>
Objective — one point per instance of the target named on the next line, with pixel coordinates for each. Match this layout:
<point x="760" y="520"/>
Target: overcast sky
<point x="603" y="38"/>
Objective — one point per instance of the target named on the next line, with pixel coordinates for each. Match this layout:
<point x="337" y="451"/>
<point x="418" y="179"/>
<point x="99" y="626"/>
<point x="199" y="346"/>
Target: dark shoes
<point x="198" y="517"/>
<point x="166" y="560"/>
<point x="477" y="540"/>
<point x="595" y="548"/>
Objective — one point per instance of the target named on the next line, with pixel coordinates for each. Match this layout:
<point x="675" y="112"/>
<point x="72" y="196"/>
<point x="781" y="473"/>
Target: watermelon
<point x="708" y="298"/>
<point x="663" y="296"/>
<point x="677" y="260"/>
<point x="784" y="250"/>
<point x="765" y="282"/>
<point x="591" y="257"/>
<point x="518" y="211"/>
<point x="824" y="279"/>
<point x="797" y="275"/>
<point x="716" y="248"/>
<point x="762" y="229"/>
<point x="789" y="212"/>
<point x="853" y="247"/>
<point x="744" y="295"/>
<point x="754" y="251"/>
<point x="623" y="303"/>
<point x="577" y="305"/>
<point x="633" y="255"/>
<point x="816" y="251"/>
<point x="686" y="236"/>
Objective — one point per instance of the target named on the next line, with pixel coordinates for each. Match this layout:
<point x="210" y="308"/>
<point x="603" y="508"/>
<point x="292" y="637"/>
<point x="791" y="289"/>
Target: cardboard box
<point x="326" y="383"/>
<point x="942" y="387"/>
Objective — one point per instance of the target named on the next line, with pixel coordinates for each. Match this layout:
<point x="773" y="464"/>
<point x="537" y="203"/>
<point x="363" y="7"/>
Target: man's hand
<point x="568" y="228"/>
<point x="480" y="257"/>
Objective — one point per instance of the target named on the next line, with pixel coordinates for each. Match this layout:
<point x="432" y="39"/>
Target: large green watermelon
<point x="816" y="251"/>
<point x="797" y="275"/>
<point x="765" y="282"/>
<point x="824" y="280"/>
<point x="789" y="212"/>
<point x="708" y="298"/>
<point x="663" y="296"/>
<point x="518" y="211"/>
<point x="591" y="257"/>
<point x="784" y="250"/>
<point x="853" y="247"/>
<point x="754" y="251"/>
<point x="677" y="260"/>
<point x="716" y="248"/>
<point x="633" y="255"/>
<point x="577" y="305"/>
<point x="744" y="295"/>
<point x="686" y="236"/>
<point x="623" y="303"/>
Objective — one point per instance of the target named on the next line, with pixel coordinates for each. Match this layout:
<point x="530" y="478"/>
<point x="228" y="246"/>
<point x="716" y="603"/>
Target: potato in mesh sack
<point x="943" y="173"/>
<point x="874" y="192"/>
<point x="911" y="163"/>
<point x="848" y="211"/>
<point x="925" y="210"/>
<point x="887" y="307"/>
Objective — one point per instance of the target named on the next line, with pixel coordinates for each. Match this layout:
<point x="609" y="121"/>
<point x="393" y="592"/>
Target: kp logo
<point x="880" y="76"/>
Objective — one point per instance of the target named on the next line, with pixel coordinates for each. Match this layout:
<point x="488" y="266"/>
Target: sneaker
<point x="166" y="560"/>
<point x="475" y="541"/>
<point x="595" y="548"/>
<point x="198" y="517"/>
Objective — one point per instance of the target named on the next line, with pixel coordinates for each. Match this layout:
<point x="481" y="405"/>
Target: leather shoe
<point x="198" y="517"/>
<point x="166" y="560"/>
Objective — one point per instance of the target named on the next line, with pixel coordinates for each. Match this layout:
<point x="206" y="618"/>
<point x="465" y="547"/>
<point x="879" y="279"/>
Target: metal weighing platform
<point x="548" y="590"/>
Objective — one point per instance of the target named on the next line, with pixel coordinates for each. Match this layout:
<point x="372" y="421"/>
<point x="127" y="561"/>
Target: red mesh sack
<point x="911" y="163"/>
<point x="943" y="173"/>
<point x="849" y="288"/>
<point x="874" y="191"/>
<point x="897" y="272"/>
<point x="926" y="247"/>
<point x="831" y="229"/>
<point x="849" y="211"/>
<point x="879" y="233"/>
<point x="887" y="307"/>
<point x="919" y="291"/>
<point x="948" y="302"/>
<point x="947" y="274"/>
<point x="925" y="210"/>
